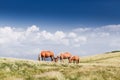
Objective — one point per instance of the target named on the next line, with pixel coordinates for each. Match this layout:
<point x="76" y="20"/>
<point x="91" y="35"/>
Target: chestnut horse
<point x="56" y="59"/>
<point x="46" y="54"/>
<point x="74" y="59"/>
<point x="65" y="55"/>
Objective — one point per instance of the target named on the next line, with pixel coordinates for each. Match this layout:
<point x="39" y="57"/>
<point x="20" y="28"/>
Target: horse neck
<point x="70" y="59"/>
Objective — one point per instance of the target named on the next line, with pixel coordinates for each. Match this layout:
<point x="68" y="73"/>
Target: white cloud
<point x="59" y="35"/>
<point x="82" y="29"/>
<point x="30" y="41"/>
<point x="81" y="38"/>
<point x="110" y="28"/>
<point x="8" y="35"/>
<point x="32" y="29"/>
<point x="72" y="35"/>
<point x="46" y="35"/>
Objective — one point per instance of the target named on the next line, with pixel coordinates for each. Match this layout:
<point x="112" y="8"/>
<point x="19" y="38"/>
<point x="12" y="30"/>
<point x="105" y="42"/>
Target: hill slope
<point x="98" y="67"/>
<point x="103" y="58"/>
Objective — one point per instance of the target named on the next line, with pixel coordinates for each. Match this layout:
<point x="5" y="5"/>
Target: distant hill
<point x="97" y="67"/>
<point x="109" y="57"/>
<point x="114" y="51"/>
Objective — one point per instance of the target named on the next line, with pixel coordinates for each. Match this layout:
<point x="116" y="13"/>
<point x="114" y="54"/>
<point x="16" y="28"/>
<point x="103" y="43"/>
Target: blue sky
<point x="59" y="13"/>
<point x="82" y="27"/>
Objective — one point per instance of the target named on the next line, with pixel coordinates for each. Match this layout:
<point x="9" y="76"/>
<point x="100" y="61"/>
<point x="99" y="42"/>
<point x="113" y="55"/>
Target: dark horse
<point x="74" y="59"/>
<point x="46" y="54"/>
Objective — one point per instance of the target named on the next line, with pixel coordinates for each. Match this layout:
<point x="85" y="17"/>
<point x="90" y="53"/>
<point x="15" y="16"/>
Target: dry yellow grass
<point x="100" y="57"/>
<point x="98" y="67"/>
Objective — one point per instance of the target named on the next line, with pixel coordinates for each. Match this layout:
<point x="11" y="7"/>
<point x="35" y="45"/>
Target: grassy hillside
<point x="98" y="67"/>
<point x="109" y="57"/>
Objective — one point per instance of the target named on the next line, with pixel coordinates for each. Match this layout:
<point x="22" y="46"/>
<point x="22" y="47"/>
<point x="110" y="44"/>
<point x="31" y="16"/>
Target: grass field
<point x="99" y="67"/>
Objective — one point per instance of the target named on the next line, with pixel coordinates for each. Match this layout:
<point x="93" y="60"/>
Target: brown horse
<point x="46" y="54"/>
<point x="56" y="59"/>
<point x="74" y="59"/>
<point x="65" y="55"/>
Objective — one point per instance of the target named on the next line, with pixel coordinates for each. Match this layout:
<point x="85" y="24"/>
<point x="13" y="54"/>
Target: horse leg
<point x="68" y="59"/>
<point x="42" y="58"/>
<point x="60" y="59"/>
<point x="74" y="61"/>
<point x="51" y="58"/>
<point x="78" y="61"/>
<point x="38" y="58"/>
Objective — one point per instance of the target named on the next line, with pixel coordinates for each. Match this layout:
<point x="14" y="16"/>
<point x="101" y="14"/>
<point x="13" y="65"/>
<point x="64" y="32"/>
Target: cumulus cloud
<point x="82" y="29"/>
<point x="109" y="28"/>
<point x="24" y="40"/>
<point x="21" y="42"/>
<point x="72" y="35"/>
<point x="33" y="34"/>
<point x="8" y="35"/>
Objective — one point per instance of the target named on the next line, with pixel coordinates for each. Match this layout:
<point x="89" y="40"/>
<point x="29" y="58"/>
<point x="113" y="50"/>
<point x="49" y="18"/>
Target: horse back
<point x="47" y="54"/>
<point x="75" y="58"/>
<point x="65" y="55"/>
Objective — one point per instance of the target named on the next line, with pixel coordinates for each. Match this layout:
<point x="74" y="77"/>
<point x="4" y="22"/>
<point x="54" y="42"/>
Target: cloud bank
<point x="28" y="42"/>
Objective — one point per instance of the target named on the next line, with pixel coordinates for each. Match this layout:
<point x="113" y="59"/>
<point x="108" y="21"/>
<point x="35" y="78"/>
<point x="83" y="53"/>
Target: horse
<point x="74" y="59"/>
<point x="46" y="54"/>
<point x="65" y="55"/>
<point x="56" y="59"/>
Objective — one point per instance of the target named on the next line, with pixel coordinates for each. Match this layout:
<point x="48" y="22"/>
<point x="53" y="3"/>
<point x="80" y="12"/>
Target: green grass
<point x="98" y="67"/>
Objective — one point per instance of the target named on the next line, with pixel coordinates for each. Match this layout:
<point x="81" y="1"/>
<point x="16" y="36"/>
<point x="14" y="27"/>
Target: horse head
<point x="56" y="58"/>
<point x="70" y="59"/>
